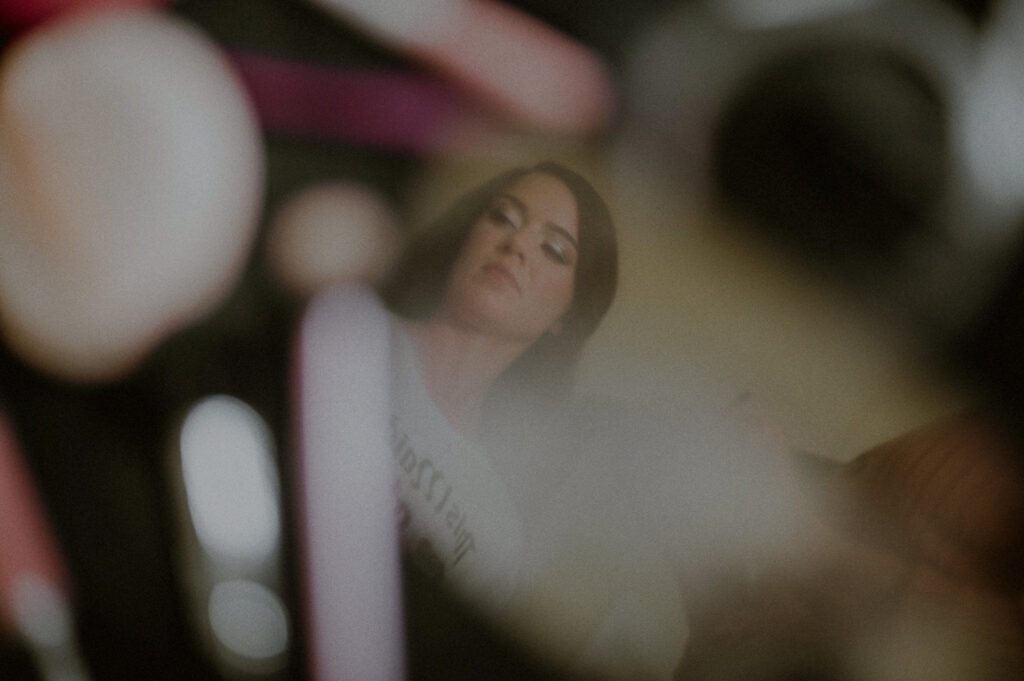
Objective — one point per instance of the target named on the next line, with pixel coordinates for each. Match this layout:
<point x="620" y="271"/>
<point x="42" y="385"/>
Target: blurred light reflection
<point x="993" y="120"/>
<point x="248" y="619"/>
<point x="776" y="13"/>
<point x="333" y="232"/>
<point x="44" y="619"/>
<point x="230" y="482"/>
<point x="41" y="611"/>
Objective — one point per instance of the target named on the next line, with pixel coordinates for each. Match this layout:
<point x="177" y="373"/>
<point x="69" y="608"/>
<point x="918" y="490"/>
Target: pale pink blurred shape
<point x="524" y="68"/>
<point x="332" y="232"/>
<point x="34" y="584"/>
<point x="28" y="547"/>
<point x="130" y="181"/>
<point x="346" y="496"/>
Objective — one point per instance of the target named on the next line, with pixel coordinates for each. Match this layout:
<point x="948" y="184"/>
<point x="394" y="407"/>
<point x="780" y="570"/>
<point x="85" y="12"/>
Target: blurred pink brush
<point x="395" y="110"/>
<point x="24" y="14"/>
<point x="34" y="593"/>
<point x="502" y="56"/>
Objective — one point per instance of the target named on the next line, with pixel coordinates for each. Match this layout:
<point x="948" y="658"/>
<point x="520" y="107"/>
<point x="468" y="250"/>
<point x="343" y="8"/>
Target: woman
<point x="504" y="288"/>
<point x="424" y="278"/>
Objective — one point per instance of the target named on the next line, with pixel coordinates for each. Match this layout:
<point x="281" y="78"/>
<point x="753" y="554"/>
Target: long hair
<point x="418" y="281"/>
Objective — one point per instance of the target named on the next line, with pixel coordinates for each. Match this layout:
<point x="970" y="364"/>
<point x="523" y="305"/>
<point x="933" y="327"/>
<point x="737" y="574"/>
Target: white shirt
<point x="457" y="517"/>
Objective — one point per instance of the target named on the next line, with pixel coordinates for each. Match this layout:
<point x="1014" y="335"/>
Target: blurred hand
<point x="913" y="563"/>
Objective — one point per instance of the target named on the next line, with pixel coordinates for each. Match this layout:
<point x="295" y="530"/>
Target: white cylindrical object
<point x="346" y="496"/>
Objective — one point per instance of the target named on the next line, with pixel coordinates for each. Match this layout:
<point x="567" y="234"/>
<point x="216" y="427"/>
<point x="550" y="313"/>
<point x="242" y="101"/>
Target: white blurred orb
<point x="332" y="232"/>
<point x="759" y="14"/>
<point x="131" y="176"/>
<point x="249" y="620"/>
<point x="231" y="483"/>
<point x="992" y="125"/>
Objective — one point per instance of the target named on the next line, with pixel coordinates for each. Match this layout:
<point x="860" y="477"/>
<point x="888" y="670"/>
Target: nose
<point x="514" y="244"/>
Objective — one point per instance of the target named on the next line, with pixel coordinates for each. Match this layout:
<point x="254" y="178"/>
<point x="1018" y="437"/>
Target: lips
<point x="501" y="272"/>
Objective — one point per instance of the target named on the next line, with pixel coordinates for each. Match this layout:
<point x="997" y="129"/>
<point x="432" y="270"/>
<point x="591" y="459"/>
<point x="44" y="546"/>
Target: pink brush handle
<point x="24" y="14"/>
<point x="525" y="70"/>
<point x="396" y="110"/>
<point x="523" y="66"/>
<point x="27" y="546"/>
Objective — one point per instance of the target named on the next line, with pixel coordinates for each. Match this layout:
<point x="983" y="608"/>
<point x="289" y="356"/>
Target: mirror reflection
<point x="660" y="339"/>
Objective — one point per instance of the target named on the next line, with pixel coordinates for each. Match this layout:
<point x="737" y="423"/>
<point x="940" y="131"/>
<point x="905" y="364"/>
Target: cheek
<point x="558" y="291"/>
<point x="467" y="257"/>
<point x="478" y="246"/>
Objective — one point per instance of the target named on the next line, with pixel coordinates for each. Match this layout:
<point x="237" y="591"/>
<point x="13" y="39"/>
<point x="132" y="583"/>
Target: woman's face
<point x="515" y="274"/>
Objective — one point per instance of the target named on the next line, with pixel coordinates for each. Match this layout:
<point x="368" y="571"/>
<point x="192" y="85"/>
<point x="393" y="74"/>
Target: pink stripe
<point x="382" y="108"/>
<point x="27" y="546"/>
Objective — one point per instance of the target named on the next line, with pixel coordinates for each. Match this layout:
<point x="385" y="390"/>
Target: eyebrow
<point x="558" y="229"/>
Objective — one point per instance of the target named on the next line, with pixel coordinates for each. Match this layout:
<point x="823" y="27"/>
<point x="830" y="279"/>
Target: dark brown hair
<point x="418" y="282"/>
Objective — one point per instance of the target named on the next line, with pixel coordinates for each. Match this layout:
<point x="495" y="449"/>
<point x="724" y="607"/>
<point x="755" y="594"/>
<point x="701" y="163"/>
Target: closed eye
<point x="497" y="215"/>
<point x="504" y="214"/>
<point x="556" y="252"/>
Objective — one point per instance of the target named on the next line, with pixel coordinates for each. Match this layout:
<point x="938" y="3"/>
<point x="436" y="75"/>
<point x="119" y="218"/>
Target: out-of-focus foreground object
<point x="21" y="14"/>
<point x="130" y="182"/>
<point x="380" y="108"/>
<point x="34" y="585"/>
<point x="948" y="500"/>
<point x="345" y="490"/>
<point x="522" y="67"/>
<point x="874" y="139"/>
<point x="917" y="573"/>
<point x="332" y="232"/>
<point x="231" y="533"/>
<point x="950" y="494"/>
